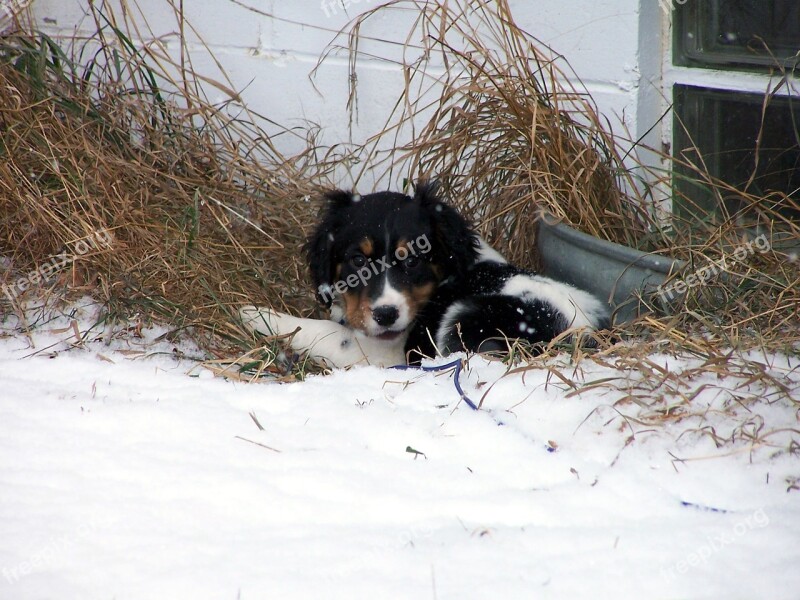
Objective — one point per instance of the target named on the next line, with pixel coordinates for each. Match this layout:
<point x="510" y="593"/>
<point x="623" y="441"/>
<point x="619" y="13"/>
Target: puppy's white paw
<point x="326" y="342"/>
<point x="337" y="314"/>
<point x="260" y="320"/>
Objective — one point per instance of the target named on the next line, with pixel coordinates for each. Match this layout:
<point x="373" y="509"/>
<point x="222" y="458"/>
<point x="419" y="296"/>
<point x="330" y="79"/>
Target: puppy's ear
<point x="319" y="248"/>
<point x="336" y="199"/>
<point x="456" y="241"/>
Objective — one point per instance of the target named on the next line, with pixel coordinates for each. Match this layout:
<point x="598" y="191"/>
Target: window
<point x="740" y="136"/>
<point x="721" y="128"/>
<point x="751" y="34"/>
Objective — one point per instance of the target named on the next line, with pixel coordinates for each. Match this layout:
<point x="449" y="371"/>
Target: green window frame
<point x="754" y="148"/>
<point x="737" y="34"/>
<point x="744" y="138"/>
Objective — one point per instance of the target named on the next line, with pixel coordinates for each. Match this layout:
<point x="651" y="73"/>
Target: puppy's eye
<point x="359" y="260"/>
<point x="411" y="262"/>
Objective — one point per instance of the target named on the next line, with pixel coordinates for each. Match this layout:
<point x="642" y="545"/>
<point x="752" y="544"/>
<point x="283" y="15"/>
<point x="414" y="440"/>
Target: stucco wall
<point x="269" y="58"/>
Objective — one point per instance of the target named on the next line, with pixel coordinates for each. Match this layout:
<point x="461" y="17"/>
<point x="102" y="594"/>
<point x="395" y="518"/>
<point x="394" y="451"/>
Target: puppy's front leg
<point x="325" y="342"/>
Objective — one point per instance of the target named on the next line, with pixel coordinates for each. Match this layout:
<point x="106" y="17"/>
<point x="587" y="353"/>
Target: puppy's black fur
<point x="459" y="294"/>
<point x="487" y="317"/>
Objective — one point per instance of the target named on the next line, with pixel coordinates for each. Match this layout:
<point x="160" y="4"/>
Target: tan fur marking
<point x="418" y="297"/>
<point x="356" y="308"/>
<point x="367" y="247"/>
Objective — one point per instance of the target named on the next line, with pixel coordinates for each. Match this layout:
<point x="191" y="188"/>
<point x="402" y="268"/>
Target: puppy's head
<point x="384" y="254"/>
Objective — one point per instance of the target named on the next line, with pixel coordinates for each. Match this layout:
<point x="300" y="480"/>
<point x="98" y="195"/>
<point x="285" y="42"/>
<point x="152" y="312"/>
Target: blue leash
<point x="458" y="365"/>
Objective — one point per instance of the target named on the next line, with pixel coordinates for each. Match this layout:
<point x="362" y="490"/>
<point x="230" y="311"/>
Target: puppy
<point x="407" y="277"/>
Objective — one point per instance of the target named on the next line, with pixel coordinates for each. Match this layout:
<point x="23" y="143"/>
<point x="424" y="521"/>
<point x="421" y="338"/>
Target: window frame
<point x="737" y="78"/>
<point x="697" y="51"/>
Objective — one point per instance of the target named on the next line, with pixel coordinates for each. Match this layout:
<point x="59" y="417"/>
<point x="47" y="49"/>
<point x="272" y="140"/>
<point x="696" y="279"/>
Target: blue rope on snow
<point x="703" y="507"/>
<point x="458" y="365"/>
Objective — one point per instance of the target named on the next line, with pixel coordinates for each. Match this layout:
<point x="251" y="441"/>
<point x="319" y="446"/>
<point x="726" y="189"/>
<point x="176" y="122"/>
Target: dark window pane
<point x="720" y="129"/>
<point x="737" y="33"/>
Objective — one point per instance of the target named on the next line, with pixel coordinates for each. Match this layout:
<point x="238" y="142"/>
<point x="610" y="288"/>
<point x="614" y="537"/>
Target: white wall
<point x="269" y="58"/>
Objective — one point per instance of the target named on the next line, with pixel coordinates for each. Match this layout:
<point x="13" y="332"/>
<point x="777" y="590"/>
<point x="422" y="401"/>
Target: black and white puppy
<point x="407" y="277"/>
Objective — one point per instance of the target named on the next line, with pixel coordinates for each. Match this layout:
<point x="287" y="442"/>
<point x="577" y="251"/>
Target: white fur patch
<point x="337" y="313"/>
<point x="451" y="316"/>
<point x="390" y="297"/>
<point x="581" y="309"/>
<point x="326" y="342"/>
<point x="488" y="254"/>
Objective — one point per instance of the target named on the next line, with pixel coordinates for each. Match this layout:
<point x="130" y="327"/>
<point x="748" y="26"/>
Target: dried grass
<point x="504" y="131"/>
<point x="206" y="214"/>
<point x="203" y="213"/>
<point x="508" y="136"/>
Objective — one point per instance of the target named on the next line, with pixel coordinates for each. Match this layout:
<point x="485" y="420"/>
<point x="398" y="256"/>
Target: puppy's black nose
<point x="386" y="315"/>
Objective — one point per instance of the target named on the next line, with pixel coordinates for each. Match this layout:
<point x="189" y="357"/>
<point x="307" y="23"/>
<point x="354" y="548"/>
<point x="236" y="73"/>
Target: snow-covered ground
<point x="126" y="473"/>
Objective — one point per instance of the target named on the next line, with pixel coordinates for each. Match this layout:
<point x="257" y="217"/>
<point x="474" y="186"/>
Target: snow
<point x="128" y="472"/>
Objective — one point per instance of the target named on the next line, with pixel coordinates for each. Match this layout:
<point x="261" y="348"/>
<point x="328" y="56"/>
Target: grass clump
<point x="206" y="214"/>
<point x="494" y="115"/>
<point x="496" y="120"/>
<point x="198" y="211"/>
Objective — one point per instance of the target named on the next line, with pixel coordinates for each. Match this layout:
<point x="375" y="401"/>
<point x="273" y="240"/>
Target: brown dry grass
<point x="505" y="132"/>
<point x="508" y="135"/>
<point x="203" y="213"/>
<point x="206" y="214"/>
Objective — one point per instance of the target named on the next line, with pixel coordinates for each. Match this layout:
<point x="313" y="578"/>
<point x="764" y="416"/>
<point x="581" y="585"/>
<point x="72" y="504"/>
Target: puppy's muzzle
<point x="386" y="315"/>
